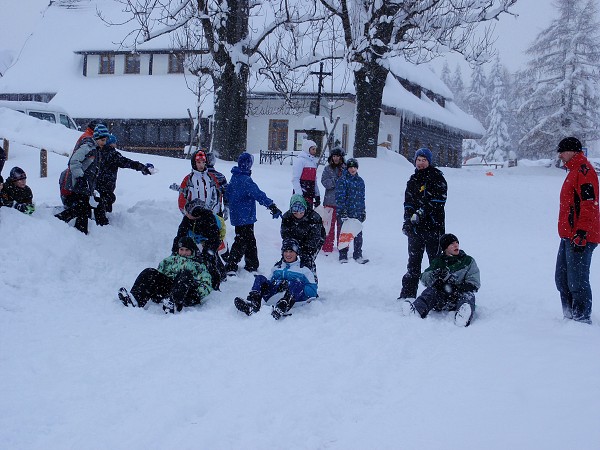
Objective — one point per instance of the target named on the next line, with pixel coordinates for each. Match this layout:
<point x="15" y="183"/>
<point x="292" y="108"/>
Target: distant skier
<point x="180" y="280"/>
<point x="289" y="276"/>
<point x="579" y="231"/>
<point x="451" y="282"/>
<point x="424" y="217"/>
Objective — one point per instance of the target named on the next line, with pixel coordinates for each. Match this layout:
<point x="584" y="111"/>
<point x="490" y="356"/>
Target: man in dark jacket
<point x="80" y="179"/>
<point x="112" y="161"/>
<point x="304" y="225"/>
<point x="424" y="217"/>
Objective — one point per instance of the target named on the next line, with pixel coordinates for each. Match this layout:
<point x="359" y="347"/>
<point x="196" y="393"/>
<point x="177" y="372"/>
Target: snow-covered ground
<point x="80" y="371"/>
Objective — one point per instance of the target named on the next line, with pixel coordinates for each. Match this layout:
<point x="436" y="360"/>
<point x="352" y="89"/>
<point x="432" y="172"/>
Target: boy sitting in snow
<point x="181" y="280"/>
<point x="452" y="280"/>
<point x="15" y="192"/>
<point x="287" y="276"/>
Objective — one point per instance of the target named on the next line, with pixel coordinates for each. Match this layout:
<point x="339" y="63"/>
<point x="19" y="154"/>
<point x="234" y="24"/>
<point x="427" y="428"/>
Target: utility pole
<point x="315" y="108"/>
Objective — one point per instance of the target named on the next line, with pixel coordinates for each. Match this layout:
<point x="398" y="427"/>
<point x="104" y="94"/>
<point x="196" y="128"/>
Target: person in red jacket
<point x="579" y="231"/>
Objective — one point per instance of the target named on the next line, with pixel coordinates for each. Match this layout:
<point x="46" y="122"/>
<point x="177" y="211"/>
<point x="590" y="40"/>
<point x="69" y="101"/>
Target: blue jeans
<point x="572" y="278"/>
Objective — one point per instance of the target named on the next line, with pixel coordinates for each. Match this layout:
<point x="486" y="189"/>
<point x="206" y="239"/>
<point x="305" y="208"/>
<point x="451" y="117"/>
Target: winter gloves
<point x="25" y="208"/>
<point x="447" y="282"/>
<point x="406" y="228"/>
<point x="579" y="241"/>
<point x="275" y="211"/>
<point x="417" y="216"/>
<point x="317" y="201"/>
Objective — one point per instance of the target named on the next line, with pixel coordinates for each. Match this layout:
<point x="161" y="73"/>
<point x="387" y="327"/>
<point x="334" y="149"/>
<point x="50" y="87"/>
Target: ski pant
<point x="357" y="242"/>
<point x="572" y="278"/>
<point x="104" y="205"/>
<point x="154" y="285"/>
<point x="418" y="243"/>
<point x="244" y="245"/>
<point x="268" y="288"/>
<point x="78" y="208"/>
<point x="333" y="232"/>
<point x="432" y="298"/>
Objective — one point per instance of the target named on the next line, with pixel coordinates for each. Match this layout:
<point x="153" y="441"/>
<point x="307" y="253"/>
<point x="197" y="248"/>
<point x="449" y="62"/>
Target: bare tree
<point x="374" y="31"/>
<point x="239" y="36"/>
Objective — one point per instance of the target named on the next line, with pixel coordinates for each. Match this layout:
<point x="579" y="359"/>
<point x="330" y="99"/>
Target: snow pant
<point x="105" y="203"/>
<point x="428" y="241"/>
<point x="154" y="285"/>
<point x="334" y="230"/>
<point x="432" y="298"/>
<point x="78" y="208"/>
<point x="357" y="243"/>
<point x="572" y="278"/>
<point x="294" y="289"/>
<point x="244" y="245"/>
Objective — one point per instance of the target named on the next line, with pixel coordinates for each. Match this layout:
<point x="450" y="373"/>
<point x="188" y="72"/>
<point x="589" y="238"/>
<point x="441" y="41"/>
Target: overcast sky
<point x="18" y="20"/>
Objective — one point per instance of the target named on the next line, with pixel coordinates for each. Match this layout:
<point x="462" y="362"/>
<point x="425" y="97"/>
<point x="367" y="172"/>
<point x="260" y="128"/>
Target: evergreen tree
<point x="565" y="62"/>
<point x="476" y="99"/>
<point x="497" y="139"/>
<point x="446" y="77"/>
<point x="458" y="87"/>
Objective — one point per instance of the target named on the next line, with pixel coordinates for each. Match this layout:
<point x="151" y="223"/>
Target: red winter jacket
<point x="579" y="200"/>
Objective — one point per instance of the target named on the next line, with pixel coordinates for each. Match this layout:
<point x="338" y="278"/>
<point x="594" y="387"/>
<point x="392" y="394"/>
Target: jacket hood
<point x="306" y="145"/>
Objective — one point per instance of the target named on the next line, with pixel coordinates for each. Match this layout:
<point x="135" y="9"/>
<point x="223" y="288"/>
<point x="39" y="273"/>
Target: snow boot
<point x="463" y="315"/>
<point x="250" y="305"/>
<point x="168" y="306"/>
<point x="361" y="260"/>
<point x="126" y="298"/>
<point x="282" y="307"/>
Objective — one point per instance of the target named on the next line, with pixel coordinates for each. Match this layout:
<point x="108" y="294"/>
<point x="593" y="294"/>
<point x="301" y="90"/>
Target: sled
<point x="326" y="214"/>
<point x="350" y="229"/>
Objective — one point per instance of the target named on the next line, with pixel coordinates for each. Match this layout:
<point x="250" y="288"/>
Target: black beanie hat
<point x="352" y="163"/>
<point x="16" y="173"/>
<point x="188" y="243"/>
<point x="569" y="144"/>
<point x="446" y="240"/>
<point x="290" y="244"/>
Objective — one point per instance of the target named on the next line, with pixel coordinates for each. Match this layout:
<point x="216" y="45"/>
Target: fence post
<point x="5" y="145"/>
<point x="43" y="163"/>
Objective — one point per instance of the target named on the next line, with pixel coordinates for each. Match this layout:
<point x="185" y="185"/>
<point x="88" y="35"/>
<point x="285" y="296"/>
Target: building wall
<point x="445" y="145"/>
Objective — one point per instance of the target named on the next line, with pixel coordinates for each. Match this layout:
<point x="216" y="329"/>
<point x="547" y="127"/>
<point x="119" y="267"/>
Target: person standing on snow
<point x="80" y="178"/>
<point x="331" y="174"/>
<point x="242" y="195"/>
<point x="350" y="203"/>
<point x="112" y="161"/>
<point x="304" y="174"/>
<point x="424" y="218"/>
<point x="579" y="231"/>
<point x="304" y="225"/>
<point x="452" y="280"/>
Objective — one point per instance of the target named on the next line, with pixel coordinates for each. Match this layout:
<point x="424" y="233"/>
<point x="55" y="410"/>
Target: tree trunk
<point x="230" y="123"/>
<point x="369" y="82"/>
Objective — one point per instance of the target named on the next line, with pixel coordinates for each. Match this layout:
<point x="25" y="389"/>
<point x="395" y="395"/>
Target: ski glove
<point x="579" y="241"/>
<point x="317" y="201"/>
<point x="466" y="287"/>
<point x="225" y="212"/>
<point x="417" y="216"/>
<point x="24" y="208"/>
<point x="174" y="187"/>
<point x="275" y="211"/>
<point x="145" y="170"/>
<point x="406" y="228"/>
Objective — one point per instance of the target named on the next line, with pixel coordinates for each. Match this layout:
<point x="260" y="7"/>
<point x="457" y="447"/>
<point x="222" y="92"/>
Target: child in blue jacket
<point x="289" y="276"/>
<point x="242" y="194"/>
